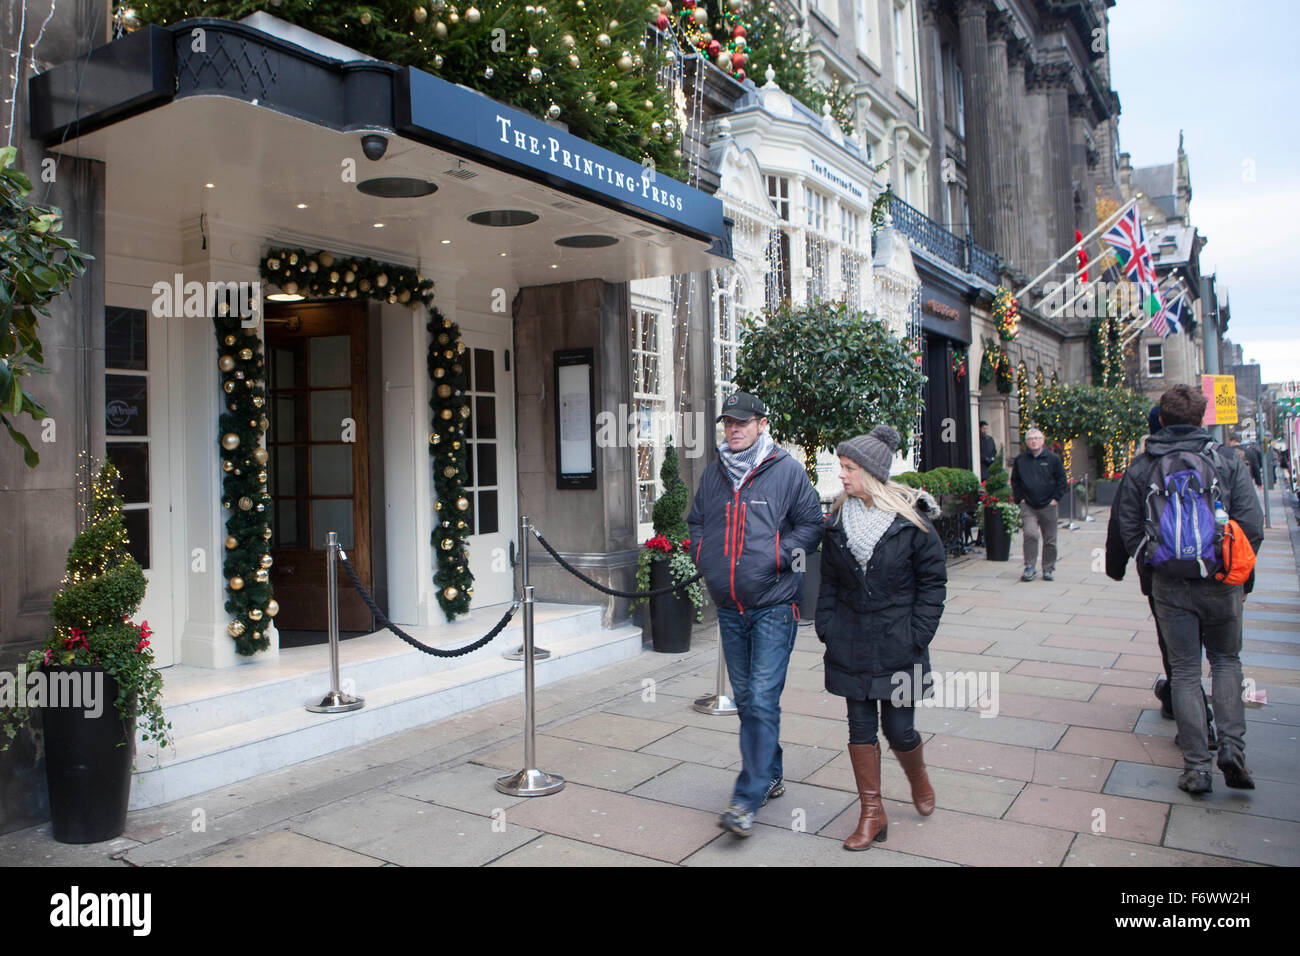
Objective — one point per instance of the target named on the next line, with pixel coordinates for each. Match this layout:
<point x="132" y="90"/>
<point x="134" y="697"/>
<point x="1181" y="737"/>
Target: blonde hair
<point x="888" y="496"/>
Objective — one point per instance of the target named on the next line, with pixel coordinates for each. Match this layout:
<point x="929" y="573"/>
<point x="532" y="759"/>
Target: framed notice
<point x="575" y="419"/>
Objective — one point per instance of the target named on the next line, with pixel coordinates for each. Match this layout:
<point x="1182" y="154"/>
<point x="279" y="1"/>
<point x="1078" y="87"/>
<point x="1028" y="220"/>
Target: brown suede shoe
<point x="914" y="766"/>
<point x="872" y="825"/>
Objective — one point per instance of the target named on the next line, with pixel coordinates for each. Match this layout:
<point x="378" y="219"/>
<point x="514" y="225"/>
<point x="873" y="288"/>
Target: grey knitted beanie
<point x="873" y="452"/>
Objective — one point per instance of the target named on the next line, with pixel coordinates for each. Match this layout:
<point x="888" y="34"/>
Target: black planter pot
<point x="88" y="763"/>
<point x="1106" y="493"/>
<point x="670" y="614"/>
<point x="997" y="540"/>
<point x="812" y="582"/>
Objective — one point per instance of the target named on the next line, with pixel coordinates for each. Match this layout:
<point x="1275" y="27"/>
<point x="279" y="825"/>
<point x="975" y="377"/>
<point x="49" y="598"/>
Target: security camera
<point x="374" y="145"/>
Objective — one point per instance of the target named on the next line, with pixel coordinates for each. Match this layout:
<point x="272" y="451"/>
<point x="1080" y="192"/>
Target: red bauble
<point x="740" y="76"/>
<point x="714" y="48"/>
<point x="739" y="31"/>
<point x="688" y="4"/>
<point x="662" y="22"/>
<point x="738" y="60"/>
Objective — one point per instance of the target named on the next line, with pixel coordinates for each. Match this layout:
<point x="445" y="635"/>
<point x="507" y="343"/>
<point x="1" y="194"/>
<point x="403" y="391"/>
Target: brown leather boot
<point x="872" y="825"/>
<point x="914" y="766"/>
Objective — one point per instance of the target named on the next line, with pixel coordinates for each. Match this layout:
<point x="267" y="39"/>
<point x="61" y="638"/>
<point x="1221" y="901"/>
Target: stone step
<point x="265" y="740"/>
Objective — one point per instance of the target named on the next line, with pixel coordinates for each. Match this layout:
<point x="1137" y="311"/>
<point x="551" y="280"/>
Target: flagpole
<point x="1106" y="224"/>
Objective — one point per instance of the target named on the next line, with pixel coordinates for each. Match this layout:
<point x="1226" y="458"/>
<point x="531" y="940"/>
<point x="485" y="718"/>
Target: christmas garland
<point x="959" y="359"/>
<point x="1006" y="314"/>
<point x="249" y="596"/>
<point x="449" y="453"/>
<point x="996" y="364"/>
<point x="1022" y="398"/>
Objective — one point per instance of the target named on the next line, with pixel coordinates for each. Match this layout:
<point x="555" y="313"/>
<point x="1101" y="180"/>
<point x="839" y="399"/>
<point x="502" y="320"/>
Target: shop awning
<point x="215" y="117"/>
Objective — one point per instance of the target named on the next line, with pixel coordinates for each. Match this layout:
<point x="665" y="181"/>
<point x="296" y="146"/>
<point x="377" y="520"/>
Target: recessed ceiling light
<point x="502" y="217"/>
<point x="503" y="253"/>
<point x="594" y="241"/>
<point x="285" y="297"/>
<point x="446" y="242"/>
<point x="397" y="187"/>
<point x="302" y="205"/>
<point x="554" y="266"/>
<point x="379" y="225"/>
<point x="210" y="185"/>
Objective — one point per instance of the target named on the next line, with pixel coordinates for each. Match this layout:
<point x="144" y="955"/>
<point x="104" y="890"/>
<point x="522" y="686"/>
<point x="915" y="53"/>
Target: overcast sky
<point x="1228" y="75"/>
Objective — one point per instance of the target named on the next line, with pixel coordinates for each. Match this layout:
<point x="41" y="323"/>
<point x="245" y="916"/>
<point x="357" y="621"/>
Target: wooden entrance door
<point x="319" y="443"/>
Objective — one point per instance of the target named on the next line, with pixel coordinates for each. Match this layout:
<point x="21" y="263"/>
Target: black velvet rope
<point x="424" y="648"/>
<point x="600" y="587"/>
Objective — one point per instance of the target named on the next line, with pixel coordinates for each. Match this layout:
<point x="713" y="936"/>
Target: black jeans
<point x="868" y="716"/>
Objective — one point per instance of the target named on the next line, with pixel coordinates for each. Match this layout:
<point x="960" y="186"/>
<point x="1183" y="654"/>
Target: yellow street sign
<point x="1220" y="392"/>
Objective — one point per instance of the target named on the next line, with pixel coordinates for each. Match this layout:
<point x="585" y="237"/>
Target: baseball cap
<point x="742" y="406"/>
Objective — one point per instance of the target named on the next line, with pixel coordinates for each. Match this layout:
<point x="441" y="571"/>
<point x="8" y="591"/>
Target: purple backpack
<point x="1182" y="540"/>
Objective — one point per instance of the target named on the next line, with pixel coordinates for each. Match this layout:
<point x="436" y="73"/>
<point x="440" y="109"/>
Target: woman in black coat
<point x="883" y="584"/>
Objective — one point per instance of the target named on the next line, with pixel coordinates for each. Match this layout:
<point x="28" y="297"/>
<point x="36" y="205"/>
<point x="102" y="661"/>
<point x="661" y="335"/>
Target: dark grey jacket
<point x="879" y="623"/>
<point x="1128" y="515"/>
<point x="745" y="540"/>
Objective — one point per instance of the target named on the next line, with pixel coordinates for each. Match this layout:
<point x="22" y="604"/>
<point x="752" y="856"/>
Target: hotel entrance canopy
<point x="246" y="127"/>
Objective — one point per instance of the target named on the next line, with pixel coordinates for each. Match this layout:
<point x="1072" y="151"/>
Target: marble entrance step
<point x="232" y="724"/>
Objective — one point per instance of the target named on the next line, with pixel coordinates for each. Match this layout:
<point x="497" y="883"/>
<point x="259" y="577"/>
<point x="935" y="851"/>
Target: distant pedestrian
<point x="988" y="451"/>
<point x="754" y="513"/>
<point x="883" y="585"/>
<point x="1116" y="563"/>
<point x="1176" y="501"/>
<point x="1249" y="454"/>
<point x="1038" y="484"/>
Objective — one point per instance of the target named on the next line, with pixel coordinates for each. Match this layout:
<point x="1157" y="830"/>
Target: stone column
<point x="1001" y="129"/>
<point x="1081" y="163"/>
<point x="936" y="108"/>
<point x="975" y="71"/>
<point x="1018" y="252"/>
<point x="1061" y="183"/>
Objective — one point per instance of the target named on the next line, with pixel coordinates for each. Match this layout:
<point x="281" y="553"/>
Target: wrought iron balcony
<point x="951" y="248"/>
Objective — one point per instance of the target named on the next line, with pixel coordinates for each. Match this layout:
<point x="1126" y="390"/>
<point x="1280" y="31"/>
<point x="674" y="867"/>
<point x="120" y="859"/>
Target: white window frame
<point x="657" y="402"/>
<point x="829" y="9"/>
<point x="904" y="48"/>
<point x="1156" y="353"/>
<point x="866" y="14"/>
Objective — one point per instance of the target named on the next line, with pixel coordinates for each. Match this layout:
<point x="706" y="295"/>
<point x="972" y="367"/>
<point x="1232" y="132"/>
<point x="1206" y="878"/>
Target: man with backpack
<point x="1187" y="508"/>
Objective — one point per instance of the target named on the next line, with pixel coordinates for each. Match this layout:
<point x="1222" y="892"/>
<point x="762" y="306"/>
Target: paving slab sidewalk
<point x="1074" y="766"/>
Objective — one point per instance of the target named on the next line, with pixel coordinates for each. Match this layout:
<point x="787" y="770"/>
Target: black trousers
<point x="867" y="717"/>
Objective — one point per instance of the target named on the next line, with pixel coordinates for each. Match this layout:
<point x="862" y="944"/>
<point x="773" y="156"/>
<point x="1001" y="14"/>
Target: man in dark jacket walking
<point x="988" y="451"/>
<point x="1195" y="612"/>
<point x="1037" y="485"/>
<point x="754" y="520"/>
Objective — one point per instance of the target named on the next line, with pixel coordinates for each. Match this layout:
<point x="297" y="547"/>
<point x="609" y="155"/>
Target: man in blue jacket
<point x="754" y="520"/>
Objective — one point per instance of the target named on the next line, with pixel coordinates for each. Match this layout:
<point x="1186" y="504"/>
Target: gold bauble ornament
<point x="421" y="14"/>
<point x="231" y="542"/>
<point x="226" y="504"/>
<point x="440" y="29"/>
<point x="365" y="22"/>
<point x="349" y="275"/>
<point x="227" y="466"/>
<point x="434" y="438"/>
<point x="455" y="445"/>
<point x="229" y="387"/>
<point x="293" y="258"/>
<point x="442" y="338"/>
<point x="464" y="411"/>
<point x="568" y="41"/>
<point x="266" y="533"/>
<point x="235" y="628"/>
<point x="261" y="477"/>
<point x="229" y="340"/>
<point x="381" y="280"/>
<point x="404" y="296"/>
<point x="364" y="285"/>
<point x="462" y="504"/>
<point x="229" y="441"/>
<point x="449" y="471"/>
<point x="450" y="594"/>
<point x="272" y="607"/>
<point x="245" y="503"/>
<point x="447" y="544"/>
<point x="312" y="266"/>
<point x="574" y="61"/>
<point x="625" y="63"/>
<point x="236" y="583"/>
<point x="262" y="575"/>
<point x="291" y="288"/>
<point x="266" y="561"/>
<point x="245" y="354"/>
<point x="472" y="15"/>
<point x="445" y="414"/>
<point x="326" y="259"/>
<point x="255" y="614"/>
<point x="439" y="372"/>
<point x="444" y="391"/>
<point x="453" y="18"/>
<point x="273" y="263"/>
<point x="261" y="455"/>
<point x="602" y="40"/>
<point x="226" y="363"/>
<point x="258" y="401"/>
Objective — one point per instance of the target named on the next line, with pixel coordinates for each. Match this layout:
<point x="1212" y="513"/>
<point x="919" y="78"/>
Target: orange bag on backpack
<point x="1238" y="555"/>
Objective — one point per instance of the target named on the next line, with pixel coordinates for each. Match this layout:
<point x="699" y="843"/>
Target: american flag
<point x="1130" y="244"/>
<point x="1160" y="319"/>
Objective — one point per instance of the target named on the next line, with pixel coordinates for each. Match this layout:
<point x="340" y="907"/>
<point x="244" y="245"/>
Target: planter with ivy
<point x="999" y="516"/>
<point x="664" y="561"/>
<point x="102" y="691"/>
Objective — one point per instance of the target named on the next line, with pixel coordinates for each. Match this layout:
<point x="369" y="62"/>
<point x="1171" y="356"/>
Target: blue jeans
<point x="757" y="646"/>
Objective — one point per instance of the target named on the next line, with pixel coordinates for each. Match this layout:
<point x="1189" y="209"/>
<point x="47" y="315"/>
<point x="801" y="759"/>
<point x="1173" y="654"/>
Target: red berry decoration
<point x="738" y="60"/>
<point x="662" y="22"/>
<point x="740" y="76"/>
<point x="714" y="48"/>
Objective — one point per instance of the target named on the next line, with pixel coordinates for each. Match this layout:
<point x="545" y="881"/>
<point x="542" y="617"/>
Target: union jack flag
<point x="1129" y="241"/>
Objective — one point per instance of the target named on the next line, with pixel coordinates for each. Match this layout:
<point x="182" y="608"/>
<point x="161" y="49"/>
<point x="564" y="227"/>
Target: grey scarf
<point x="739" y="464"/>
<point x="864" y="527"/>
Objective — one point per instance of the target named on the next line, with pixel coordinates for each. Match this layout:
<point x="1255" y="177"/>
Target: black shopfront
<point x="946" y="339"/>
